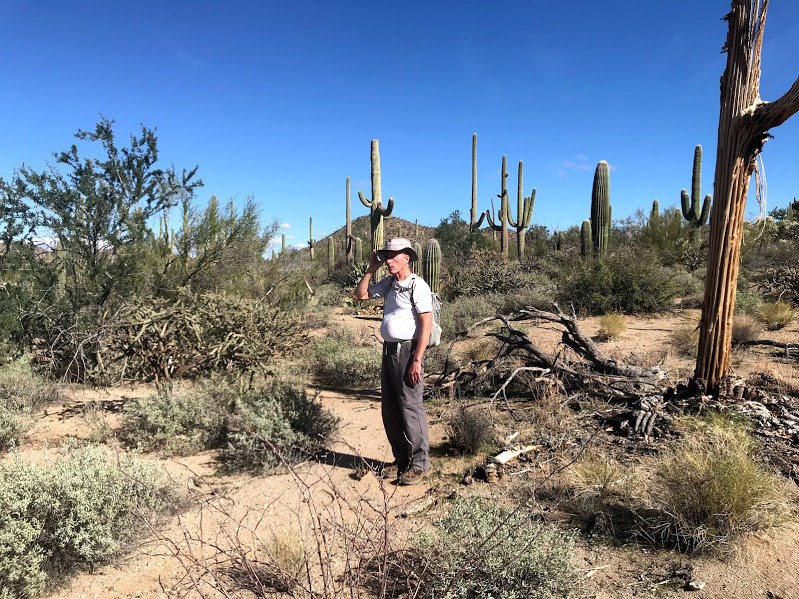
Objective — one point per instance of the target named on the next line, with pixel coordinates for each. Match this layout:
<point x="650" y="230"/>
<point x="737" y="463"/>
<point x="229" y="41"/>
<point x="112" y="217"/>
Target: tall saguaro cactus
<point x="690" y="206"/>
<point x="474" y="221"/>
<point x="348" y="232"/>
<point x="600" y="210"/>
<point x="432" y="265"/>
<point x="331" y="255"/>
<point x="377" y="212"/>
<point x="311" y="241"/>
<point x="358" y="250"/>
<point x="654" y="216"/>
<point x="417" y="247"/>
<point x="502" y="225"/>
<point x="524" y="214"/>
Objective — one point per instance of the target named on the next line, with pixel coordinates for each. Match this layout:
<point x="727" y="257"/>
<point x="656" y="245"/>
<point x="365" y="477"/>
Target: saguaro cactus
<point x="690" y="206"/>
<point x="311" y="241"/>
<point x="432" y="265"/>
<point x="377" y="212"/>
<point x="348" y="232"/>
<point x="331" y="254"/>
<point x="654" y="215"/>
<point x="474" y="221"/>
<point x="502" y="225"/>
<point x="358" y="250"/>
<point x="282" y="244"/>
<point x="524" y="214"/>
<point x="586" y="243"/>
<point x="600" y="209"/>
<point x="417" y="247"/>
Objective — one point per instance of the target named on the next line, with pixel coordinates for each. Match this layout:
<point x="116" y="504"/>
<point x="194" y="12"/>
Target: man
<point x="407" y="321"/>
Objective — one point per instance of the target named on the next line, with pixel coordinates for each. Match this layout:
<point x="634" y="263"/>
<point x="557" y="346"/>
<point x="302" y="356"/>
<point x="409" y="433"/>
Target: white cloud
<point x="285" y="226"/>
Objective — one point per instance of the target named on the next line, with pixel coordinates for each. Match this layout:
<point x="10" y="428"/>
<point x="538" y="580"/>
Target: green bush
<point x="619" y="284"/>
<point x="343" y="360"/>
<point x="73" y="513"/>
<point x="461" y="313"/>
<point x="173" y="423"/>
<point x="485" y="273"/>
<point x="274" y="422"/>
<point x="481" y="550"/>
<point x="247" y="425"/>
<point x="22" y="393"/>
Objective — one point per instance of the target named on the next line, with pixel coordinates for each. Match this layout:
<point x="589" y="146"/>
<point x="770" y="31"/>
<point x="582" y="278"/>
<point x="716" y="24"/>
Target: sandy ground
<point x="248" y="510"/>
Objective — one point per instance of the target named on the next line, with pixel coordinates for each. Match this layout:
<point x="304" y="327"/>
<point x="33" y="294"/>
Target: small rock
<point x="695" y="585"/>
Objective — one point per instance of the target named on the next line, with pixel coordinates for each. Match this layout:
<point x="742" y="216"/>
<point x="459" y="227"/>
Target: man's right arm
<point x="362" y="288"/>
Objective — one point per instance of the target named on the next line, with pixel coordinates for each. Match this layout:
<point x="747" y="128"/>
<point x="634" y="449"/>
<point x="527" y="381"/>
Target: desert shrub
<point x="468" y="430"/>
<point x="748" y="302"/>
<point x="328" y="294"/>
<point x="461" y="313"/>
<point x="536" y="291"/>
<point x="273" y="422"/>
<point x="343" y="359"/>
<point x="780" y="282"/>
<point x="485" y="272"/>
<point x="173" y="423"/>
<point x="776" y="315"/>
<point x="482" y="550"/>
<point x="711" y="487"/>
<point x="619" y="284"/>
<point x="611" y="326"/>
<point x="22" y="392"/>
<point x="685" y="340"/>
<point x="72" y="513"/>
<point x="745" y="329"/>
<point x="160" y="339"/>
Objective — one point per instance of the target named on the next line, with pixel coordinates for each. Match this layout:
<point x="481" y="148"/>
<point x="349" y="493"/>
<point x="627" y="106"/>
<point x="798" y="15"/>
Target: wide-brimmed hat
<point x="399" y="244"/>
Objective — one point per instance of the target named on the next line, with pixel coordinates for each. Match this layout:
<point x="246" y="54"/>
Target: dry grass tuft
<point x="611" y="326"/>
<point x="599" y="476"/>
<point x="776" y="315"/>
<point x="469" y="429"/>
<point x="745" y="328"/>
<point x="685" y="340"/>
<point x="711" y="489"/>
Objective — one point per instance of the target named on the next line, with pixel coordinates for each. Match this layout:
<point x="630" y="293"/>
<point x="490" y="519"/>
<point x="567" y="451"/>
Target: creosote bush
<point x="468" y="429"/>
<point x="618" y="284"/>
<point x="712" y="489"/>
<point x="482" y="550"/>
<point x="342" y="359"/>
<point x="75" y="512"/>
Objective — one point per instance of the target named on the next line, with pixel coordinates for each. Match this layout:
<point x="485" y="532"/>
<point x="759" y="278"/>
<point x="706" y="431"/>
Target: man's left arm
<point x="415" y="374"/>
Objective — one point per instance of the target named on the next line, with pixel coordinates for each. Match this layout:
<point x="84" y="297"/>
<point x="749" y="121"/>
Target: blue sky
<point x="279" y="100"/>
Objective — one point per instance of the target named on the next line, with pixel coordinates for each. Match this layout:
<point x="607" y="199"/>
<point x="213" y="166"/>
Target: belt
<point x="390" y="347"/>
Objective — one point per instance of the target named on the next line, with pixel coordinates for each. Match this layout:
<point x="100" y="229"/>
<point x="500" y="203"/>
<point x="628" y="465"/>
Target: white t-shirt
<point x="400" y="320"/>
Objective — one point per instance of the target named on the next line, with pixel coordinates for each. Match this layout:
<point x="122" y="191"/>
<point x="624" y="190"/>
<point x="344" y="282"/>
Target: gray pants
<point x="404" y="417"/>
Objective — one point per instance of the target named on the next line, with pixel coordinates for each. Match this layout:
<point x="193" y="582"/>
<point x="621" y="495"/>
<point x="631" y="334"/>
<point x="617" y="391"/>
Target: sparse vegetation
<point x="22" y="393"/>
<point x="745" y="328"/>
<point x="482" y="550"/>
<point x="342" y="359"/>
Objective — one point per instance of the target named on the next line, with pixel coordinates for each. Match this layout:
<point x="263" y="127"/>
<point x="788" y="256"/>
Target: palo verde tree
<point x="744" y="123"/>
<point x="98" y="207"/>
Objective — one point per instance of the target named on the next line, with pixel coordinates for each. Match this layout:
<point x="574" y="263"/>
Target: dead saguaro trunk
<point x="744" y="123"/>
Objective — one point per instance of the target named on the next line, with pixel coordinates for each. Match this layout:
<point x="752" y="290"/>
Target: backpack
<point x="435" y="331"/>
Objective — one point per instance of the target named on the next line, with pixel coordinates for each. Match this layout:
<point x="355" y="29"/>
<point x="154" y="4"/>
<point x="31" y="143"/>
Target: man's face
<point x="396" y="261"/>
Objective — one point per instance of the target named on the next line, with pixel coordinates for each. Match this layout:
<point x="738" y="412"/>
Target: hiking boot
<point x="413" y="476"/>
<point x="390" y="471"/>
